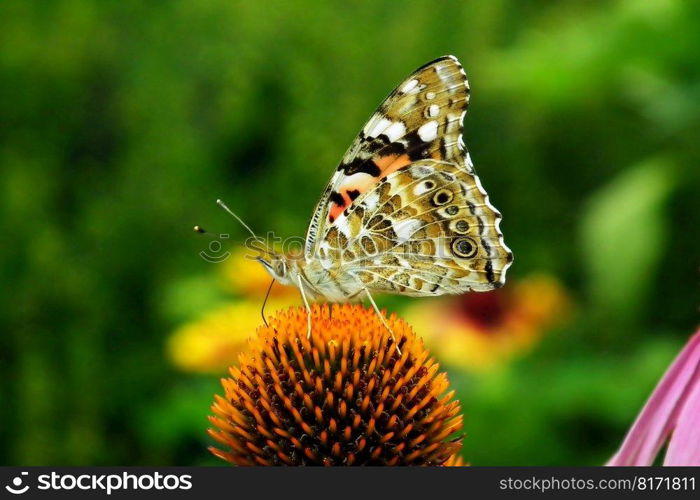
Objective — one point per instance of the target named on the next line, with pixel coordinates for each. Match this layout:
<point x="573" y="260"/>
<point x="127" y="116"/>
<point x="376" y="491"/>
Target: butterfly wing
<point x="421" y="118"/>
<point x="425" y="229"/>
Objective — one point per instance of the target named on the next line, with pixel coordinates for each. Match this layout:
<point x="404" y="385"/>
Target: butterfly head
<point x="280" y="267"/>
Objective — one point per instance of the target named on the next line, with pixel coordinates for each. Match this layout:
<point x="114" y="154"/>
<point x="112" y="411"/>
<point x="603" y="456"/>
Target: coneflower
<point x="348" y="395"/>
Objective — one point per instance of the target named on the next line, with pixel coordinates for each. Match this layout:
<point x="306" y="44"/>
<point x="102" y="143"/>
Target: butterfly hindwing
<point x="420" y="119"/>
<point x="426" y="229"/>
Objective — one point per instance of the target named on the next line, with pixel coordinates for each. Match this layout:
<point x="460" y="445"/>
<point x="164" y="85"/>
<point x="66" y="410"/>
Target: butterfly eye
<point x="464" y="247"/>
<point x="442" y="197"/>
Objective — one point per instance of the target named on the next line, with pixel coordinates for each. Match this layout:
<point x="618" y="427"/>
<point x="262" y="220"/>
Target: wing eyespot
<point x="442" y="197"/>
<point x="461" y="226"/>
<point x="452" y="210"/>
<point x="464" y="247"/>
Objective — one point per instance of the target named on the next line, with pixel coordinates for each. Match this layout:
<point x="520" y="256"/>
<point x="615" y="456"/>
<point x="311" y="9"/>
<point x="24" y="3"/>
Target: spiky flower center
<point x="346" y="396"/>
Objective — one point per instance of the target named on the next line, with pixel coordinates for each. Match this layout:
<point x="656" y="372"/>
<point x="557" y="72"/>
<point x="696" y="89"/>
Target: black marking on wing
<point x="337" y="198"/>
<point x="376" y="148"/>
<point x="489" y="272"/>
<point x="417" y="149"/>
<point x="359" y="165"/>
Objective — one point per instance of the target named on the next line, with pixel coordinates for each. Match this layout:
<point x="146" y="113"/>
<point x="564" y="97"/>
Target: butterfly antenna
<point x="201" y="230"/>
<point x="230" y="212"/>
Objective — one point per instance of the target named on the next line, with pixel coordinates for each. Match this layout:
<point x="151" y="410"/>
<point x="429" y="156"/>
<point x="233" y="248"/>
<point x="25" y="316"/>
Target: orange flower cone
<point x="346" y="396"/>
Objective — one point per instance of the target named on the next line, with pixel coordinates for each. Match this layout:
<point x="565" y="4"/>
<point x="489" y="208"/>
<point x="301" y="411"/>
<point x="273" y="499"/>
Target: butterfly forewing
<point x="421" y="118"/>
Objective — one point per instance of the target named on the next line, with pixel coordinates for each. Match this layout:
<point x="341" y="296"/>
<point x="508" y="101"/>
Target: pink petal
<point x="684" y="448"/>
<point x="660" y="413"/>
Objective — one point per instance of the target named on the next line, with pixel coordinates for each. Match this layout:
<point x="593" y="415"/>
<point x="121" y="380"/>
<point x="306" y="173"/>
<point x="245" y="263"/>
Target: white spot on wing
<point x="410" y="85"/>
<point x="342" y="225"/>
<point x="376" y="126"/>
<point x="351" y="181"/>
<point x="395" y="131"/>
<point x="404" y="229"/>
<point x="433" y="110"/>
<point x="371" y="200"/>
<point x="421" y="188"/>
<point x="428" y="131"/>
<point x="430" y="95"/>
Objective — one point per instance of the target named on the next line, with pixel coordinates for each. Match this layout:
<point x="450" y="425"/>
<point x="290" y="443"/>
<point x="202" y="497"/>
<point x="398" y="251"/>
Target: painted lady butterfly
<point x="404" y="212"/>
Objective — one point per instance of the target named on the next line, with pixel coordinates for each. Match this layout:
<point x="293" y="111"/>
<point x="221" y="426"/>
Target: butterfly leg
<point x="267" y="296"/>
<point x="381" y="317"/>
<point x="308" y="309"/>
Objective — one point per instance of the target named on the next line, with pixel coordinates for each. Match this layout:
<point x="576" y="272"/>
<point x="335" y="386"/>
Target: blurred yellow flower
<point x="212" y="343"/>
<point x="245" y="276"/>
<point x="480" y="331"/>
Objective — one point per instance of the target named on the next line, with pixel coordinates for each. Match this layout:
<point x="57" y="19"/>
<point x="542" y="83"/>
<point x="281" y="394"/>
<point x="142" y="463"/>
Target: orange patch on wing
<point x="391" y="163"/>
<point x="386" y="164"/>
<point x="336" y="209"/>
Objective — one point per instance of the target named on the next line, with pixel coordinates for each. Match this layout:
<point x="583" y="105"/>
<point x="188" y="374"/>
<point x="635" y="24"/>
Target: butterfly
<point x="404" y="212"/>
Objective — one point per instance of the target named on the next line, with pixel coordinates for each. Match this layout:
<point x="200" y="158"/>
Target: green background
<point x="121" y="123"/>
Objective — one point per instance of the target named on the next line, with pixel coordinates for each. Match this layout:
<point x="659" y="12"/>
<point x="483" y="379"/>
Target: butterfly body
<point x="404" y="212"/>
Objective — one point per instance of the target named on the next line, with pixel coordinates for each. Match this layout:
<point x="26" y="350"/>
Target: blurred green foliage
<point x="121" y="122"/>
